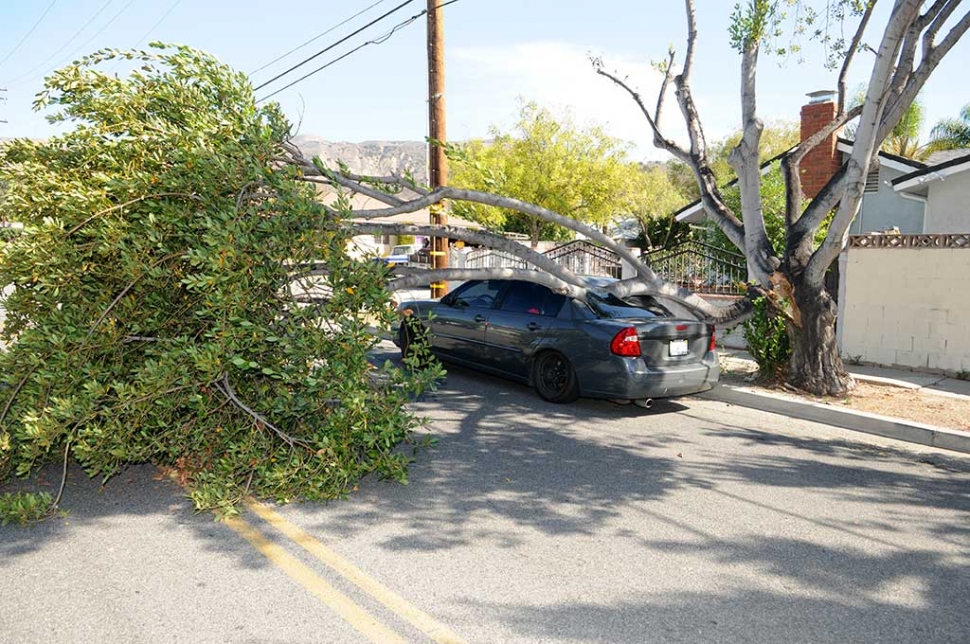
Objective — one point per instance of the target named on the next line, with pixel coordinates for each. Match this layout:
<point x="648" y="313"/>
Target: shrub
<point x="768" y="341"/>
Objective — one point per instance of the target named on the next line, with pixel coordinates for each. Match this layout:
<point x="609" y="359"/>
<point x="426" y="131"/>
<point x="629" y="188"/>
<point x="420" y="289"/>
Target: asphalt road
<point x="529" y="522"/>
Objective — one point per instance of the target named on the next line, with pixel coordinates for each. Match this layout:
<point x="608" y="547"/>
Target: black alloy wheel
<point x="554" y="378"/>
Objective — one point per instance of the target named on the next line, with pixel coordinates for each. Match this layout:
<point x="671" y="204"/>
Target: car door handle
<point x="533" y="326"/>
<point x="480" y="318"/>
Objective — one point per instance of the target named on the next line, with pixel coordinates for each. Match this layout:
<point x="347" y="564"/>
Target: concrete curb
<point x="896" y="428"/>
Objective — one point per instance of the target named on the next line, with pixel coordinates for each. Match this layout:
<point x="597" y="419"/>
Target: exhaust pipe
<point x="645" y="403"/>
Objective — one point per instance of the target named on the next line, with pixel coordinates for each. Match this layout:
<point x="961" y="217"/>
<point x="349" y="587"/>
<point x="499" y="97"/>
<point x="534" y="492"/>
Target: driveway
<point x="530" y="522"/>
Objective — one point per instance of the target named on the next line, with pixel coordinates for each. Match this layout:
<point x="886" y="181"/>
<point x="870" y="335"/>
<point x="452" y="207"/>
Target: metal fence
<point x="700" y="267"/>
<point x="585" y="258"/>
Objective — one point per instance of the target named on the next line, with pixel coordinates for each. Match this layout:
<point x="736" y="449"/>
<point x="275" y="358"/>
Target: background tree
<point x="153" y="317"/>
<point x="952" y="134"/>
<point x="653" y="202"/>
<point x="904" y="140"/>
<point x="578" y="172"/>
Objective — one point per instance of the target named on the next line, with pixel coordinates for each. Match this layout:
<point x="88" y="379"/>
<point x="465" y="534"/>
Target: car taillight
<point x="626" y="343"/>
<point x="713" y="345"/>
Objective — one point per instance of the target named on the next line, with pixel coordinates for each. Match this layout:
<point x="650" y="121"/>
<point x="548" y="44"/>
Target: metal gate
<point x="585" y="258"/>
<point x="700" y="267"/>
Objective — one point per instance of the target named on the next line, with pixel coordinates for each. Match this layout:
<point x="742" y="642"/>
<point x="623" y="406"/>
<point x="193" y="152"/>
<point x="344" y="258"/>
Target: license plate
<point x="678" y="348"/>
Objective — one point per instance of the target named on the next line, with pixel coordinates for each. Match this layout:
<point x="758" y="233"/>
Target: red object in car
<point x="713" y="345"/>
<point x="626" y="343"/>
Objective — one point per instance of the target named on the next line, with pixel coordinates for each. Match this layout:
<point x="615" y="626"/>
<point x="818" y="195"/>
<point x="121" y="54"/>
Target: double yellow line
<point x="360" y="619"/>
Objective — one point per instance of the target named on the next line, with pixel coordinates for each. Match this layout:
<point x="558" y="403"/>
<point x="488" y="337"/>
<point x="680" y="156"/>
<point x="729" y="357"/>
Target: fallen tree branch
<point x="223" y="385"/>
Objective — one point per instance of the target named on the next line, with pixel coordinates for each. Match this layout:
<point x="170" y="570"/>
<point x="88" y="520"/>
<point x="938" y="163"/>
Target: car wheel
<point x="554" y="378"/>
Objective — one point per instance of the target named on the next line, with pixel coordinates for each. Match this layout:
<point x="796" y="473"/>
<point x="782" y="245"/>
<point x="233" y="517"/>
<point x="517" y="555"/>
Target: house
<point x="942" y="190"/>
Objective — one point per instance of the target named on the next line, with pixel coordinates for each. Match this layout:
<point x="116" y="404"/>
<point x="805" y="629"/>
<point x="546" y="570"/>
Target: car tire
<point x="554" y="378"/>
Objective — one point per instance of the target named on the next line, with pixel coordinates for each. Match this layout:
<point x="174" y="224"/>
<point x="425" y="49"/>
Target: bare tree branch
<point x="662" y="94"/>
<point x="866" y="142"/>
<point x="684" y="78"/>
<point x="761" y="258"/>
<point x="851" y="52"/>
<point x="226" y="388"/>
<point x="484" y="238"/>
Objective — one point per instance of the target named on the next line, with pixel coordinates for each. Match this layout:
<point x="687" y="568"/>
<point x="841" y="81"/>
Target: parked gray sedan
<point x="606" y="347"/>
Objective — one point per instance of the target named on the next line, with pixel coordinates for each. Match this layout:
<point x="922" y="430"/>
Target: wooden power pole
<point x="438" y="163"/>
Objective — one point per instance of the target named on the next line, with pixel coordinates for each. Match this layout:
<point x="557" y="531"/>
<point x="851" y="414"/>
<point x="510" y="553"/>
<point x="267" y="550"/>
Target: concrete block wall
<point x="908" y="307"/>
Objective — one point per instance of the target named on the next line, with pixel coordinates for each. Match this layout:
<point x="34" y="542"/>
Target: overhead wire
<point x="65" y="45"/>
<point x="29" y="32"/>
<point x="93" y="36"/>
<point x="317" y="37"/>
<point x="377" y="41"/>
<point x="148" y="33"/>
<point x="331" y="46"/>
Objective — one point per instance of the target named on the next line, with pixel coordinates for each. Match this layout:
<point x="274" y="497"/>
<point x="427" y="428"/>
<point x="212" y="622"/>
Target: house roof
<point x="914" y="182"/>
<point x="894" y="161"/>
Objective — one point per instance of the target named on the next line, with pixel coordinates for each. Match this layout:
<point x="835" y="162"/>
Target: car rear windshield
<point x="607" y="305"/>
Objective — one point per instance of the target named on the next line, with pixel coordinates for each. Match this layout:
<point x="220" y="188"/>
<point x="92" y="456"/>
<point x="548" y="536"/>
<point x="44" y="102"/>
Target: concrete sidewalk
<point x="890" y="427"/>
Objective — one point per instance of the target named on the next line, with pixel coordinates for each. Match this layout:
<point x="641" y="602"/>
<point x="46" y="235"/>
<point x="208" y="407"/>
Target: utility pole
<point x="438" y="163"/>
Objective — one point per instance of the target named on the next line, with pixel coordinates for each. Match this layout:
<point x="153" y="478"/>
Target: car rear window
<point x="607" y="305"/>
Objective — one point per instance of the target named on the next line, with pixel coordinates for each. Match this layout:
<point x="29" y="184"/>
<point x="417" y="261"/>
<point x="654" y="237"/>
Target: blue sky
<point x="497" y="51"/>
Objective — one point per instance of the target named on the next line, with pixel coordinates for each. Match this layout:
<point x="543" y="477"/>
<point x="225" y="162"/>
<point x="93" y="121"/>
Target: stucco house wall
<point x="948" y="205"/>
<point x="886" y="208"/>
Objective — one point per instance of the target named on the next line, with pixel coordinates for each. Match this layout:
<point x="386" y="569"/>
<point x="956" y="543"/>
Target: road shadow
<point x="141" y="493"/>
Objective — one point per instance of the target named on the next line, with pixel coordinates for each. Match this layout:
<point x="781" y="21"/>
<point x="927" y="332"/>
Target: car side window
<point x="479" y="295"/>
<point x="532" y="299"/>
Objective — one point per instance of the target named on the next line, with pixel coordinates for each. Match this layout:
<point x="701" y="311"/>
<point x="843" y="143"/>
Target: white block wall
<point x="908" y="307"/>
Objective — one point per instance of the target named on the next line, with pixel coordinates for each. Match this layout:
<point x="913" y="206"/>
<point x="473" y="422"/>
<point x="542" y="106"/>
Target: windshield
<point x="607" y="305"/>
<point x="401" y="250"/>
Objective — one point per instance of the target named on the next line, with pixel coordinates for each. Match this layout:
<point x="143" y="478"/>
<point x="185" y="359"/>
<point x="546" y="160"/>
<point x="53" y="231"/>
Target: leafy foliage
<point x="768" y="341"/>
<point x="576" y="172"/>
<point x="153" y="316"/>
<point x="952" y="134"/>
<point x="24" y="507"/>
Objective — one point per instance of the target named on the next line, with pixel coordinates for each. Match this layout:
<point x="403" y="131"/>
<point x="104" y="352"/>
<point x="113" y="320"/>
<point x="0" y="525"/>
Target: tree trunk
<point x="535" y="233"/>
<point x="816" y="364"/>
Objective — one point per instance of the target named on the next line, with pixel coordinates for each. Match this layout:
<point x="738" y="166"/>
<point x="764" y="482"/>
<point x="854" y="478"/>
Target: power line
<point x="329" y="47"/>
<point x="377" y="41"/>
<point x="317" y="37"/>
<point x="27" y="35"/>
<point x="95" y="35"/>
<point x="160" y="21"/>
<point x="64" y="46"/>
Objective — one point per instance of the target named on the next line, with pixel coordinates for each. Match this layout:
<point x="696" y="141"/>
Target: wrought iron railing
<point x="492" y="258"/>
<point x="700" y="267"/>
<point x="585" y="258"/>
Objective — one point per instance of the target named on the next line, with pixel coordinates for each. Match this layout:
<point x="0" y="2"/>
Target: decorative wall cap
<point x="953" y="240"/>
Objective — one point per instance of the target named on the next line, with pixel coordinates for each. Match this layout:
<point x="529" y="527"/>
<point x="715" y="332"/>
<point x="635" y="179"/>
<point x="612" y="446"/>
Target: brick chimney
<point x="824" y="160"/>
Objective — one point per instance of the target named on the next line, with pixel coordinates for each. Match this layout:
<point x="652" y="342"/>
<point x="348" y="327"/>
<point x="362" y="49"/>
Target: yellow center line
<point x="353" y="614"/>
<point x="428" y="625"/>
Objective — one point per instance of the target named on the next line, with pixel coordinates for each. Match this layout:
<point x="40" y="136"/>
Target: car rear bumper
<point x="636" y="380"/>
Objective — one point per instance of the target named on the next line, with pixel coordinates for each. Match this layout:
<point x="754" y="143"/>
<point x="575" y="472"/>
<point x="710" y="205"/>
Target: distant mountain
<point x="370" y="157"/>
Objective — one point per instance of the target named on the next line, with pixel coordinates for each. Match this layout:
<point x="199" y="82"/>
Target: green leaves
<point x="577" y="172"/>
<point x="154" y="314"/>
